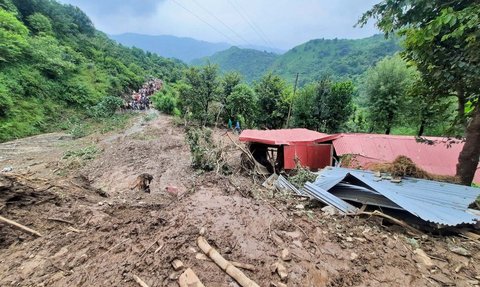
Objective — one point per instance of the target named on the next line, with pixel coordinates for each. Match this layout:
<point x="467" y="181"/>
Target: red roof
<point x="440" y="158"/>
<point x="281" y="137"/>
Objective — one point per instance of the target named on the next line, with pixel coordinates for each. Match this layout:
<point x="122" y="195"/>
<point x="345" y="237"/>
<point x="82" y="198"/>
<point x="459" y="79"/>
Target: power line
<point x="254" y="24"/>
<point x="223" y="23"/>
<point x="204" y="21"/>
<point x="250" y="23"/>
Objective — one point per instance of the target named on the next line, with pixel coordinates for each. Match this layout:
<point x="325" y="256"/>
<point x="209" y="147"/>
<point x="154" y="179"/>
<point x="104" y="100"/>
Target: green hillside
<point x="337" y="57"/>
<point x="55" y="66"/>
<point x="252" y="64"/>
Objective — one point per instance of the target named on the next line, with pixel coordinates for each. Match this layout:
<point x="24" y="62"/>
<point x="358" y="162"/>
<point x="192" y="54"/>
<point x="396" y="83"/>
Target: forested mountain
<point x="252" y="64"/>
<point x="337" y="57"/>
<point x="185" y="49"/>
<point x="55" y="64"/>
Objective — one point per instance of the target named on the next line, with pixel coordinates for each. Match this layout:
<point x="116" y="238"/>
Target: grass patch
<point x="86" y="153"/>
<point x="149" y="117"/>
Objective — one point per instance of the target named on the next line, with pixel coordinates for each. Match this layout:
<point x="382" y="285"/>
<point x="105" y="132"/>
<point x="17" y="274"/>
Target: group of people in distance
<point x="141" y="100"/>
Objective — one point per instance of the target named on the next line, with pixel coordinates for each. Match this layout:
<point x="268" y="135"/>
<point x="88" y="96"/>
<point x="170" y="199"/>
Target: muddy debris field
<point x="94" y="230"/>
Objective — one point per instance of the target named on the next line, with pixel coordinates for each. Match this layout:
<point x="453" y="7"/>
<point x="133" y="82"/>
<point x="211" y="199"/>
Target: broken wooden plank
<point x="139" y="281"/>
<point x="20" y="226"/>
<point x="189" y="279"/>
<point x="226" y="266"/>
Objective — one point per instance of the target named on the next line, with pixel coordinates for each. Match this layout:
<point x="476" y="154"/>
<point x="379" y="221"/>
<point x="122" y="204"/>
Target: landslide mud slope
<point x="92" y="240"/>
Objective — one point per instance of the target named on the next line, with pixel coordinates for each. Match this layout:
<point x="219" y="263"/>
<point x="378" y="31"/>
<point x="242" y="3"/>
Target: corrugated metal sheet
<point x="281" y="137"/>
<point x="362" y="195"/>
<point x="328" y="198"/>
<point x="440" y="158"/>
<point x="283" y="184"/>
<point x="437" y="202"/>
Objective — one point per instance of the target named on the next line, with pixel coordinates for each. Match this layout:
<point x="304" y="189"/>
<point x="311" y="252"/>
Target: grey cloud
<point x="286" y="23"/>
<point x="109" y="7"/>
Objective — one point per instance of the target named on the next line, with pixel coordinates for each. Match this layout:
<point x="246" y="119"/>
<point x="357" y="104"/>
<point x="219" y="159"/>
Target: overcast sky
<point x="278" y="23"/>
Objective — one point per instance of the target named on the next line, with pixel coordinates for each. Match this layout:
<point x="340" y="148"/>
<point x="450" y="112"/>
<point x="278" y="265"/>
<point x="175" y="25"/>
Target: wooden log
<point x="226" y="266"/>
<point x="189" y="279"/>
<point x="245" y="266"/>
<point x="22" y="227"/>
<point x="139" y="281"/>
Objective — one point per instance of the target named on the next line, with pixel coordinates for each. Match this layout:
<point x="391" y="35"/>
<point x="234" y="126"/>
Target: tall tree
<point x="201" y="90"/>
<point x="242" y="105"/>
<point x="425" y="108"/>
<point x="385" y="87"/>
<point x="324" y="106"/>
<point x="273" y="97"/>
<point x="443" y="39"/>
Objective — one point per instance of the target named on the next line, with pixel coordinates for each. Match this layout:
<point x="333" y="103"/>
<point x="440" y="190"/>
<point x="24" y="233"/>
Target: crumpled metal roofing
<point x="432" y="201"/>
<point x="328" y="198"/>
<point x="283" y="183"/>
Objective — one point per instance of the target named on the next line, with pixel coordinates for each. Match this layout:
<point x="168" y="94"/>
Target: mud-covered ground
<point x="92" y="240"/>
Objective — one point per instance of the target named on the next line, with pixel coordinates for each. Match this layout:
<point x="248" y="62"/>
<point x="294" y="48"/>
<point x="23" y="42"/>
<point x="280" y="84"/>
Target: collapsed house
<point x="283" y="149"/>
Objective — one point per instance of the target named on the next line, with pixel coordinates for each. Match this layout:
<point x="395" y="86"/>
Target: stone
<point x="286" y="256"/>
<point x="282" y="272"/>
<point x="329" y="210"/>
<point x="201" y="256"/>
<point x="353" y="256"/>
<point x="189" y="279"/>
<point x="460" y="251"/>
<point x="422" y="257"/>
<point x="177" y="265"/>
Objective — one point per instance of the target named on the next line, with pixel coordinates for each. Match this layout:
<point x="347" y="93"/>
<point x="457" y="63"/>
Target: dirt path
<point x="107" y="240"/>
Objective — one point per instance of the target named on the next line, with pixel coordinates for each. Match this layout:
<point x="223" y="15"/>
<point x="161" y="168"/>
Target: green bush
<point x="206" y="155"/>
<point x="106" y="108"/>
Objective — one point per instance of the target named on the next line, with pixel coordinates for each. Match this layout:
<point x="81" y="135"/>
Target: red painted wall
<point x="314" y="156"/>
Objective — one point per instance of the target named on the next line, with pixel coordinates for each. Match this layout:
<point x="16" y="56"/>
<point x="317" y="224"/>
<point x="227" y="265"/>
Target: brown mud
<point x="104" y="241"/>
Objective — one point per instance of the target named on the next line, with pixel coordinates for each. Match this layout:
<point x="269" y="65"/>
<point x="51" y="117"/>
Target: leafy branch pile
<point x="302" y="176"/>
<point x="205" y="153"/>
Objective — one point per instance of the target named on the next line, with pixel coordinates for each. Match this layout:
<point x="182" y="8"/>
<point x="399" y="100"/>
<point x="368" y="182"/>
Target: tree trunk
<point x="461" y="107"/>
<point x="469" y="156"/>
<point x="387" y="132"/>
<point x="422" y="128"/>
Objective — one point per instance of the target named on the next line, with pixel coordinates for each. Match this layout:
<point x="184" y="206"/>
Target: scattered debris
<point x="173" y="190"/>
<point x="281" y="271"/>
<point x="224" y="264"/>
<point x="423" y="258"/>
<point x="177" y="265"/>
<point x="245" y="266"/>
<point x="460" y="251"/>
<point x="7" y="169"/>
<point x="189" y="279"/>
<point x="20" y="226"/>
<point x="139" y="281"/>
<point x="286" y="256"/>
<point x="330" y="210"/>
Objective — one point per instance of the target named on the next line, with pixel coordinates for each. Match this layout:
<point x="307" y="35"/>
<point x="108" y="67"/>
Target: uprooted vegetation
<point x="403" y="166"/>
<point x="300" y="176"/>
<point x="205" y="152"/>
